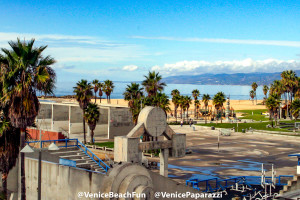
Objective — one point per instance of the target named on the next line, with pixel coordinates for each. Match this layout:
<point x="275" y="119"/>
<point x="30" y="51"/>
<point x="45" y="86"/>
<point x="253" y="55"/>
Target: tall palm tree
<point x="153" y="84"/>
<point x="197" y="105"/>
<point x="254" y="87"/>
<point x="175" y="99"/>
<point x="272" y="104"/>
<point x="252" y="95"/>
<point x="265" y="90"/>
<point x="195" y="94"/>
<point x="92" y="115"/>
<point x="187" y="102"/>
<point x="181" y="103"/>
<point x="24" y="72"/>
<point x="108" y="89"/>
<point x="218" y="101"/>
<point x="205" y="99"/>
<point x="96" y="87"/>
<point x="289" y="81"/>
<point x="295" y="107"/>
<point x="83" y="94"/>
<point x="100" y="88"/>
<point x="133" y="95"/>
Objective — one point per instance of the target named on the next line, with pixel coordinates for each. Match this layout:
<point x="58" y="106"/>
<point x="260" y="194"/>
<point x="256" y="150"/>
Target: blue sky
<point x="123" y="40"/>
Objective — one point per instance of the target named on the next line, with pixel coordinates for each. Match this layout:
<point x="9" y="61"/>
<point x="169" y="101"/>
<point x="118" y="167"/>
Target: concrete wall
<point x="163" y="184"/>
<point x="60" y="182"/>
<point x="120" y="122"/>
<point x="114" y="121"/>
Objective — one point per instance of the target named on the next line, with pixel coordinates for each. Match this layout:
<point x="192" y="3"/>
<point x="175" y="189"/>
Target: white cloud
<point x="70" y="49"/>
<point x="235" y="66"/>
<point x="226" y="41"/>
<point x="130" y="68"/>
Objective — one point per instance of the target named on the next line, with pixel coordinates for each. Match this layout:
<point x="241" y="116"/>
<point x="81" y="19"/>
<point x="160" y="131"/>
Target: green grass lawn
<point x="257" y="116"/>
<point x="256" y="126"/>
<point x="105" y="144"/>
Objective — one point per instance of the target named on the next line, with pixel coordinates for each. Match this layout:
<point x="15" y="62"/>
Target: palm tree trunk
<point x="95" y="97"/>
<point x="83" y="121"/>
<point x="4" y="184"/>
<point x="100" y="99"/>
<point x="175" y="113"/>
<point x="195" y="111"/>
<point x="181" y="113"/>
<point x="205" y="114"/>
<point x="22" y="165"/>
<point x="92" y="136"/>
<point x="221" y="114"/>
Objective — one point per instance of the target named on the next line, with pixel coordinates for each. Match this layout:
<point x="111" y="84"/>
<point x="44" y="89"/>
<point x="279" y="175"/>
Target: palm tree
<point x="254" y="87"/>
<point x="205" y="99"/>
<point x="153" y="83"/>
<point x="24" y="72"/>
<point x="91" y="116"/>
<point x="9" y="150"/>
<point x="100" y="88"/>
<point x="181" y="103"/>
<point x="133" y="95"/>
<point x="108" y="89"/>
<point x="295" y="107"/>
<point x="96" y="87"/>
<point x="218" y="101"/>
<point x="289" y="81"/>
<point x="197" y="105"/>
<point x="175" y="99"/>
<point x="162" y="100"/>
<point x="272" y="104"/>
<point x="187" y="102"/>
<point x="195" y="94"/>
<point x="83" y="94"/>
<point x="252" y="95"/>
<point x="265" y="90"/>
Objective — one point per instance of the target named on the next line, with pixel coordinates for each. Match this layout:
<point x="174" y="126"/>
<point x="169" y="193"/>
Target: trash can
<point x="243" y="131"/>
<point x="212" y="128"/>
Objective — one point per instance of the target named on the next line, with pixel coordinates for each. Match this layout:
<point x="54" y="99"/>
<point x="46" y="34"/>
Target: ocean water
<point x="236" y="92"/>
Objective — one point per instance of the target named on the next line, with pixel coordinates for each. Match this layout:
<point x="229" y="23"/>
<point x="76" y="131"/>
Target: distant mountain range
<point x="226" y="79"/>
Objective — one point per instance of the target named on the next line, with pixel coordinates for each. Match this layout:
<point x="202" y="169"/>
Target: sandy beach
<point x="235" y="104"/>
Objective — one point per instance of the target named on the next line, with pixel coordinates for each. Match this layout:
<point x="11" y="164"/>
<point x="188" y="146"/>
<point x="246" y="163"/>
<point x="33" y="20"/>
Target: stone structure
<point x="152" y="125"/>
<point x="67" y="118"/>
<point x="227" y="111"/>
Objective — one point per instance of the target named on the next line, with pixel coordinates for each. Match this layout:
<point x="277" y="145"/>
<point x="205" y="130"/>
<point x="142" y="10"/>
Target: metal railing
<point x="78" y="144"/>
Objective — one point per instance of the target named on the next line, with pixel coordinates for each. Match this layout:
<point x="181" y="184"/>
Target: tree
<point x="265" y="90"/>
<point x="133" y="94"/>
<point x="195" y="94"/>
<point x="295" y="107"/>
<point x="108" y="89"/>
<point x="83" y="94"/>
<point x="153" y="83"/>
<point x="96" y="87"/>
<point x="162" y="100"/>
<point x="205" y="99"/>
<point x="24" y="72"/>
<point x="254" y="87"/>
<point x="175" y="99"/>
<point x="218" y="101"/>
<point x="91" y="116"/>
<point x="272" y="104"/>
<point x="187" y="102"/>
<point x="9" y="150"/>
<point x="181" y="104"/>
<point x="100" y="88"/>
<point x="252" y="95"/>
<point x="289" y="81"/>
<point x="197" y="105"/>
